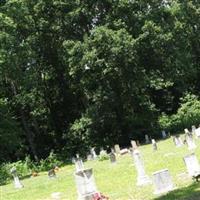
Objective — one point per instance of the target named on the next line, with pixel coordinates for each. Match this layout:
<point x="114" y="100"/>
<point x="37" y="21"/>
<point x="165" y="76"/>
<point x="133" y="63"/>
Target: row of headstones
<point x="162" y="180"/>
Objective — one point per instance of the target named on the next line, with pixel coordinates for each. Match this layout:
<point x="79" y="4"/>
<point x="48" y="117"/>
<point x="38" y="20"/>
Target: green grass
<point x="116" y="181"/>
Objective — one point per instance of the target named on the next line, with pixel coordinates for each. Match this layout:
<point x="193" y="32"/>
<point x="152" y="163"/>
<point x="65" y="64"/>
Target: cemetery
<point x="142" y="174"/>
<point x="99" y="100"/>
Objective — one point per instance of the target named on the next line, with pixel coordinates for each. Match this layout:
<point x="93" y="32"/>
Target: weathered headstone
<point x="134" y="144"/>
<point x="147" y="140"/>
<point x="192" y="165"/>
<point x="112" y="157"/>
<point x="117" y="149"/>
<point x="79" y="165"/>
<point x="93" y="153"/>
<point x="190" y="142"/>
<point x="197" y="132"/>
<point x="52" y="173"/>
<point x="154" y="144"/>
<point x="124" y="151"/>
<point x="177" y="141"/>
<point x="186" y="131"/>
<point x="17" y="183"/>
<point x="85" y="183"/>
<point x="162" y="181"/>
<point x="193" y="129"/>
<point x="142" y="178"/>
<point x="164" y="135"/>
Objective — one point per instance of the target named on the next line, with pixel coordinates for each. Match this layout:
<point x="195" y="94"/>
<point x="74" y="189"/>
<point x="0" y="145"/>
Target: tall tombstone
<point x="164" y="135"/>
<point x="85" y="184"/>
<point x="147" y="140"/>
<point x="192" y="165"/>
<point x="117" y="149"/>
<point x="142" y="178"/>
<point x="162" y="181"/>
<point x="154" y="145"/>
<point x="190" y="142"/>
<point x="186" y="131"/>
<point x="134" y="144"/>
<point x="112" y="157"/>
<point x="79" y="165"/>
<point x="177" y="141"/>
<point x="93" y="153"/>
<point x="17" y="182"/>
<point x="193" y="129"/>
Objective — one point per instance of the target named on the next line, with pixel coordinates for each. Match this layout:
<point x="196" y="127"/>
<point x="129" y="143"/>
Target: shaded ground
<point x="191" y="192"/>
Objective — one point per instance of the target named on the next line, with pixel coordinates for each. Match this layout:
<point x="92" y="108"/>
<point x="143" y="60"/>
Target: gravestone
<point x="197" y="132"/>
<point x="147" y="140"/>
<point x="117" y="149"/>
<point x="190" y="142"/>
<point x="154" y="144"/>
<point x="124" y="151"/>
<point x="85" y="184"/>
<point x="17" y="183"/>
<point x="193" y="129"/>
<point x="79" y="165"/>
<point x="186" y="131"/>
<point x="192" y="165"/>
<point x="93" y="153"/>
<point x="52" y="173"/>
<point x="134" y="144"/>
<point x="142" y="178"/>
<point x="164" y="135"/>
<point x="177" y="141"/>
<point x="112" y="157"/>
<point x="162" y="181"/>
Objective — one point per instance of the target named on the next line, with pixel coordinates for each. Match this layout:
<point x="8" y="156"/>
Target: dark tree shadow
<point x="191" y="192"/>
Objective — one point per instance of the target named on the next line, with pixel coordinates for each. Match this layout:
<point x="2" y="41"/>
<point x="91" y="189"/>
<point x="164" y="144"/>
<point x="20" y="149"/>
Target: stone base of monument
<point x="162" y="182"/>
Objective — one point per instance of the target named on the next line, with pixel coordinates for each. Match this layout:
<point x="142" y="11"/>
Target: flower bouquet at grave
<point x="99" y="196"/>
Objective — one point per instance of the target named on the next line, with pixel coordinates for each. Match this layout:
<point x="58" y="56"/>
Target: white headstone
<point x="93" y="153"/>
<point x="85" y="183"/>
<point x="134" y="144"/>
<point x="190" y="142"/>
<point x="112" y="158"/>
<point x="117" y="149"/>
<point x="147" y="141"/>
<point x="177" y="141"/>
<point x="17" y="183"/>
<point x="142" y="178"/>
<point x="162" y="181"/>
<point x="192" y="164"/>
<point x="186" y="131"/>
<point x="154" y="144"/>
<point x="79" y="165"/>
<point x="193" y="129"/>
<point x="197" y="132"/>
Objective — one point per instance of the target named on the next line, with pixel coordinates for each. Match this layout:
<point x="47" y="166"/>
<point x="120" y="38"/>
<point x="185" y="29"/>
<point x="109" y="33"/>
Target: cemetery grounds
<point x="117" y="181"/>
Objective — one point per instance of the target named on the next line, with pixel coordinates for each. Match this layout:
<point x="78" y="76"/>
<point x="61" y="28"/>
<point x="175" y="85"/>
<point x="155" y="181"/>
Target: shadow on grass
<point x="191" y="192"/>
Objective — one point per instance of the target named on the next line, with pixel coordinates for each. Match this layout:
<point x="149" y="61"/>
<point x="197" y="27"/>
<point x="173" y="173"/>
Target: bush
<point x="50" y="162"/>
<point x="103" y="156"/>
<point x="4" y="174"/>
<point x="187" y="115"/>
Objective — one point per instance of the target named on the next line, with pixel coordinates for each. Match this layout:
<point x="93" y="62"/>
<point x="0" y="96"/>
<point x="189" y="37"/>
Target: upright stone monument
<point x="142" y="178"/>
<point x="79" y="164"/>
<point x="117" y="149"/>
<point x="154" y="144"/>
<point x="192" y="165"/>
<point x="177" y="141"/>
<point x="17" y="183"/>
<point x="134" y="144"/>
<point x="85" y="183"/>
<point x="162" y="181"/>
<point x="164" y="135"/>
<point x="190" y="142"/>
<point x="147" y="140"/>
<point x="193" y="129"/>
<point x="93" y="153"/>
<point x="112" y="157"/>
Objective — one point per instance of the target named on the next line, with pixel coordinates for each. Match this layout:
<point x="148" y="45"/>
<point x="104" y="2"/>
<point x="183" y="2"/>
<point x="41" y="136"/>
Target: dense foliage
<point x="77" y="74"/>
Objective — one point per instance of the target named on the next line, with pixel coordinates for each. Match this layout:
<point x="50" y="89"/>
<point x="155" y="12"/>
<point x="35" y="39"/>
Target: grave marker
<point x="147" y="140"/>
<point x="142" y="178"/>
<point x="154" y="144"/>
<point x="117" y="149"/>
<point x="17" y="183"/>
<point x="162" y="181"/>
<point x="192" y="165"/>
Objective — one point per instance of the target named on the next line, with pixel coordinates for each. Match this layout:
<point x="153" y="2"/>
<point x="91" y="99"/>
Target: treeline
<point x="81" y="73"/>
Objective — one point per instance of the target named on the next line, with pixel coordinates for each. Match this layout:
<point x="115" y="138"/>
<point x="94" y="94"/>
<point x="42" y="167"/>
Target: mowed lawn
<point x="118" y="181"/>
